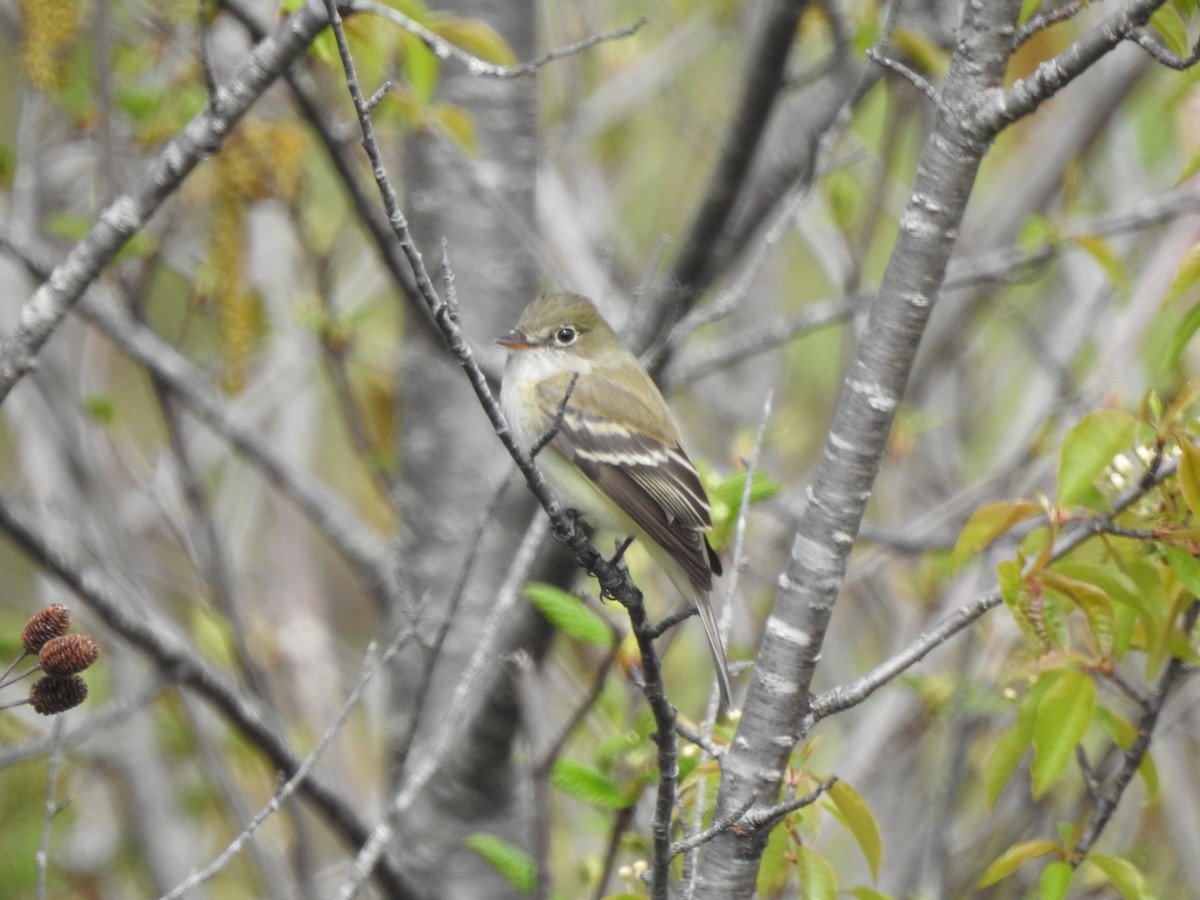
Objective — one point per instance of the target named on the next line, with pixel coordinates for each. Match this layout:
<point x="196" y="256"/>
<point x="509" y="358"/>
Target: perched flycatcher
<point x="617" y="456"/>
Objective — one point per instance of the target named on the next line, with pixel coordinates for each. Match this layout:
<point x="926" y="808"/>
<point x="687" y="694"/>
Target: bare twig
<point x="763" y="336"/>
<point x="699" y="839"/>
<point x="556" y="423"/>
<point x="1044" y="20"/>
<point x="768" y="817"/>
<point x="443" y="49"/>
<point x="1145" y="39"/>
<point x="912" y="77"/>
<point x="371" y="667"/>
<point x="50" y="806"/>
<point x="1051" y="76"/>
<point x="703" y="741"/>
<point x="541" y="768"/>
<point x="1133" y="757"/>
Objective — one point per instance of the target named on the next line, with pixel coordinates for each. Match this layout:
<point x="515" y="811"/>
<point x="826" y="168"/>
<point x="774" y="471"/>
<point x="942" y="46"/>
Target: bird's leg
<point x="556" y="422"/>
<point x="571" y="522"/>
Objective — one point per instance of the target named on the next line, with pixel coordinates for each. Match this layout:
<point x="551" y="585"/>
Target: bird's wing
<point x="639" y="464"/>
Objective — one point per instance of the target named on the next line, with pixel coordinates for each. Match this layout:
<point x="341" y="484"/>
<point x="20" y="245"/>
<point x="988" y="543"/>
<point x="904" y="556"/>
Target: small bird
<point x="616" y="456"/>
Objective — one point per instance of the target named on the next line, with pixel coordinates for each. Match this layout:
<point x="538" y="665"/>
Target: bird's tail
<point x="703" y="604"/>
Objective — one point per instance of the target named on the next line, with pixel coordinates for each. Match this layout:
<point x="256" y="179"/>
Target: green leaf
<point x="867" y="893"/>
<point x="856" y="815"/>
<point x="101" y="408"/>
<point x="1187" y="273"/>
<point x="775" y="867"/>
<point x="1056" y="880"/>
<point x="1189" y="475"/>
<point x="570" y="615"/>
<point x="1018" y="599"/>
<point x="1137" y="595"/>
<point x="1036" y="233"/>
<point x="1015" y="857"/>
<point x="1089" y="448"/>
<point x="1002" y="762"/>
<point x="730" y="490"/>
<point x="1189" y="168"/>
<point x="512" y="863"/>
<point x="989" y="522"/>
<point x="1095" y="603"/>
<point x="1123" y="875"/>
<point x="1170" y="26"/>
<point x="817" y="878"/>
<point x="587" y="784"/>
<point x="476" y="37"/>
<point x="1181" y="336"/>
<point x="1185" y="567"/>
<point x="1028" y="8"/>
<point x="1063" y="716"/>
<point x="421" y="67"/>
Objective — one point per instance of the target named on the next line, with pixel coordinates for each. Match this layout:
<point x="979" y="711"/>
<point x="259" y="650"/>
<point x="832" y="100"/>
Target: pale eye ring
<point x="565" y="335"/>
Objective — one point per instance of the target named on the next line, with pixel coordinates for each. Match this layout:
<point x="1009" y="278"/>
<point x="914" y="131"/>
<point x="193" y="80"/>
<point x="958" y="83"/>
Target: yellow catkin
<point x="49" y="31"/>
<point x="262" y="159"/>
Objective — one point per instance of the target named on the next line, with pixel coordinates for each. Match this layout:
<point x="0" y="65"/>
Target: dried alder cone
<point x="47" y="623"/>
<point x="61" y="657"/>
<point x="66" y="655"/>
<point x="55" y="694"/>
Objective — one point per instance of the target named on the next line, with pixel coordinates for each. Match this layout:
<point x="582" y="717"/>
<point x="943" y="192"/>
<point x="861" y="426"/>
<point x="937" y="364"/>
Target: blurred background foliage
<point x="1074" y="289"/>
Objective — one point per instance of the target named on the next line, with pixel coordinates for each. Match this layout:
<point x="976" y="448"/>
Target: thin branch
<point x="50" y="806"/>
<point x="909" y="75"/>
<point x="621" y="822"/>
<point x="738" y="557"/>
<point x="768" y="817"/>
<point x="1133" y="757"/>
<point x="443" y="49"/>
<point x="1042" y="21"/>
<point x="763" y="336"/>
<point x="731" y="297"/>
<point x="704" y="742"/>
<point x="110" y="715"/>
<point x="667" y="623"/>
<point x="1087" y="773"/>
<point x="1130" y="690"/>
<point x="1003" y="107"/>
<point x="837" y="699"/>
<point x="697" y="840"/>
<point x="541" y="768"/>
<point x="1145" y="39"/>
<point x="668" y="760"/>
<point x="1011" y="263"/>
<point x="402" y="745"/>
<point x="371" y="667"/>
<point x="556" y="423"/>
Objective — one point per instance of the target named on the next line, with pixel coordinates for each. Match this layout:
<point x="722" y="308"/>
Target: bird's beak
<point x="514" y="340"/>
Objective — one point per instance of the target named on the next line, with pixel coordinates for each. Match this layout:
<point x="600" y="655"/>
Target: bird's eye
<point x="565" y="336"/>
